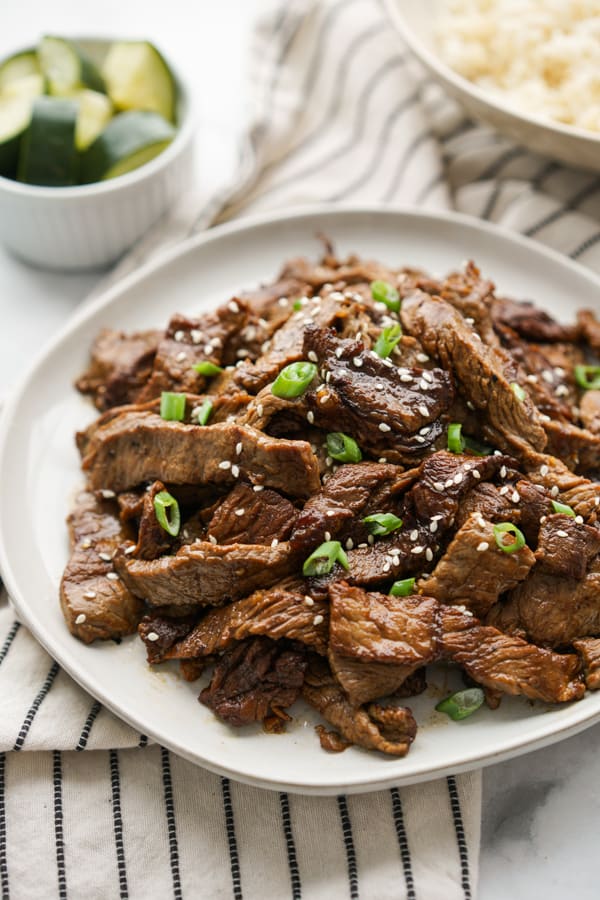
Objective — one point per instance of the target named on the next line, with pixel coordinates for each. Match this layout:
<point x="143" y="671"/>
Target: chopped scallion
<point x="518" y="391"/>
<point x="201" y="414"/>
<point x="343" y="448"/>
<point x="382" y="523"/>
<point x="207" y="368"/>
<point x="503" y="528"/>
<point x="172" y="406"/>
<point x="456" y="442"/>
<point x="403" y="588"/>
<point x="384" y="292"/>
<point x="563" y="508"/>
<point x="166" y="509"/>
<point x="324" y="558"/>
<point x="387" y="340"/>
<point x="293" y="380"/>
<point x="297" y="305"/>
<point x="462" y="704"/>
<point x="587" y="377"/>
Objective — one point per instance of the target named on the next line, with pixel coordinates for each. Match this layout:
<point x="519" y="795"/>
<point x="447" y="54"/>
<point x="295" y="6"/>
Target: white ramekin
<point x="89" y="226"/>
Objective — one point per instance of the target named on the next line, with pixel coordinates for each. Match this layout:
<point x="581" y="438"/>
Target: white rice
<point x="541" y="56"/>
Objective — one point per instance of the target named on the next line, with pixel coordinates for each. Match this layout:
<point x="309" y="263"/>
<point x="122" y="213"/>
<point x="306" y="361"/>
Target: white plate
<point x="575" y="146"/>
<point x="39" y="472"/>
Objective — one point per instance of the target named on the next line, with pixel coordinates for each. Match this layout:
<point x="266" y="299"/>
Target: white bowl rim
<point x="462" y="84"/>
<point x="183" y="136"/>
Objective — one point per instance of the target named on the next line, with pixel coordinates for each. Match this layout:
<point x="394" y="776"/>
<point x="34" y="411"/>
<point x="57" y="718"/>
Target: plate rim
<point x="377" y="780"/>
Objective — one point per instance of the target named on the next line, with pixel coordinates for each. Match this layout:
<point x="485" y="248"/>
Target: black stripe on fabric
<point x="143" y="741"/>
<point x="4" y="882"/>
<point x="39" y="699"/>
<point x="405" y="161"/>
<point x="380" y="146"/>
<point x="461" y="128"/>
<point x="349" y="847"/>
<point x="286" y="818"/>
<point x="9" y="639"/>
<point x="85" y="733"/>
<point x="115" y="783"/>
<point x="547" y="170"/>
<point x="463" y="852"/>
<point x="234" y="859"/>
<point x="585" y="245"/>
<point x="171" y="825"/>
<point x="566" y="208"/>
<point x="398" y="816"/>
<point x="496" y="167"/>
<point x="58" y="825"/>
<point x="492" y="199"/>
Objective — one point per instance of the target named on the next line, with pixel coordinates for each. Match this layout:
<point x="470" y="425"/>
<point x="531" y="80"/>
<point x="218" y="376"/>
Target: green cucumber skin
<point x="90" y="76"/>
<point x="9" y="156"/>
<point x="121" y="137"/>
<point x="48" y="156"/>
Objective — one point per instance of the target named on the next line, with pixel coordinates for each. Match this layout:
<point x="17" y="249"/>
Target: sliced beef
<point x="486" y="500"/>
<point x="256" y="679"/>
<point x="120" y="365"/>
<point x="589" y="328"/>
<point x="206" y="574"/>
<point x="563" y="484"/>
<point x="249" y="517"/>
<point x="278" y="613"/>
<point x="589" y="410"/>
<point x="384" y="408"/>
<point x="577" y="447"/>
<point x="588" y="650"/>
<point x="351" y="271"/>
<point x="506" y="663"/>
<point x="153" y="541"/>
<point x="530" y="322"/>
<point x="140" y="446"/>
<point x="551" y="610"/>
<point x="366" y="681"/>
<point x="485" y="374"/>
<point x="472" y="296"/>
<point x="533" y="504"/>
<point x="566" y="547"/>
<point x="474" y="571"/>
<point x="95" y="602"/>
<point x="190" y="341"/>
<point x="159" y="633"/>
<point x="390" y="730"/>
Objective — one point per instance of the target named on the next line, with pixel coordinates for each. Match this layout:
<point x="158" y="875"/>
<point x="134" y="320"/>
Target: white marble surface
<point x="540" y="811"/>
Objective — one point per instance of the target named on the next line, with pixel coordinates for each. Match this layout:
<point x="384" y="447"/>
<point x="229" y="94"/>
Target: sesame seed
<point x="503" y="472"/>
<point x="470" y="405"/>
<point x="107" y="495"/>
<point x="317" y="620"/>
<point x="259" y="409"/>
<point x="548" y="376"/>
<point x="458" y="478"/>
<point x="406" y="378"/>
<point x="309" y="600"/>
<point x="258" y="487"/>
<point x="544" y="471"/>
<point x="339" y="351"/>
<point x="212" y="539"/>
<point x="422" y="357"/>
<point x="357" y="362"/>
<point x="387" y="362"/>
<point x="419" y="439"/>
<point x="428" y="377"/>
<point x="417" y="549"/>
<point x="235" y="471"/>
<point x="283" y="301"/>
<point x="414" y="535"/>
<point x="504" y="490"/>
<point x="349" y="544"/>
<point x="242" y="353"/>
<point x="438" y="486"/>
<point x="232" y="305"/>
<point x="112" y="576"/>
<point x="89" y="595"/>
<point x="382" y="459"/>
<point x="274" y="542"/>
<point x="152" y="636"/>
<point x="238" y="448"/>
<point x="129" y="550"/>
<point x="208" y="348"/>
<point x="562" y="391"/>
<point x="240" y="512"/>
<point x="181" y="356"/>
<point x="312" y="356"/>
<point x="328" y="377"/>
<point x="363" y="545"/>
<point x="532" y="379"/>
<point x="543" y="519"/>
<point x="106" y="557"/>
<point x="384" y="427"/>
<point x="433" y="527"/>
<point x="469" y="320"/>
<point x="423" y="385"/>
<point x="562" y="533"/>
<point x="476" y="474"/>
<point x="559" y="371"/>
<point x="449" y="483"/>
<point x="545" y="418"/>
<point x="310" y="417"/>
<point x="324" y="398"/>
<point x="387" y="566"/>
<point x="225" y="464"/>
<point x="80" y="619"/>
<point x="477" y="336"/>
<point x="265" y="346"/>
<point x="482" y="547"/>
<point x="179" y="336"/>
<point x="579" y="520"/>
<point x="371" y="539"/>
<point x="555" y="491"/>
<point x="515" y="497"/>
<point x="327" y="535"/>
<point x="596" y="501"/>
<point x="423" y="410"/>
<point x="429" y="554"/>
<point x="86" y="544"/>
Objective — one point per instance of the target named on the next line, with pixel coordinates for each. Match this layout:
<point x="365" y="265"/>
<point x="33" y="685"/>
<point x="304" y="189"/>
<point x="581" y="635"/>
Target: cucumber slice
<point x="29" y="87"/>
<point x="66" y="67"/>
<point x="15" y="113"/>
<point x="95" y="112"/>
<point x="128" y="141"/>
<point x="137" y="77"/>
<point x="18" y="66"/>
<point x="48" y="155"/>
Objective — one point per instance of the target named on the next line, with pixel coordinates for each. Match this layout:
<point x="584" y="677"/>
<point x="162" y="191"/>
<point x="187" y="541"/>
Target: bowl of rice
<point x="530" y="68"/>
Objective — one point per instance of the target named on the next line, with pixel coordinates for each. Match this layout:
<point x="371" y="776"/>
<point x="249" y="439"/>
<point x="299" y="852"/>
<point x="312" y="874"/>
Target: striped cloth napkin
<point x="339" y="112"/>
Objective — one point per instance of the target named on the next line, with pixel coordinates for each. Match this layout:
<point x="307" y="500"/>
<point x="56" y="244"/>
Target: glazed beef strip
<point x="119" y="367"/>
<point x="588" y="650"/>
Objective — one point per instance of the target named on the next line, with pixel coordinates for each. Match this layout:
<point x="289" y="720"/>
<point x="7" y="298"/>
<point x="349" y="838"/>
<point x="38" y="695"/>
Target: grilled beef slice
<point x="530" y="322"/>
<point x="474" y="571"/>
<point x="566" y="547"/>
<point x="120" y="364"/>
<point x="153" y="541"/>
<point x="141" y="446"/>
<point x="255" y="679"/>
<point x="249" y="517"/>
<point x="95" y="602"/>
<point x="588" y="650"/>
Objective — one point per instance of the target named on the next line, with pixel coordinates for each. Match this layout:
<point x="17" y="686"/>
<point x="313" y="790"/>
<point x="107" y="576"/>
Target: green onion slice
<point x="383" y="292"/>
<point x="563" y="508"/>
<point x="201" y="414"/>
<point x="402" y="588"/>
<point x="343" y="448"/>
<point x="503" y="528"/>
<point x="167" y="513"/>
<point x="324" y="558"/>
<point x="297" y="305"/>
<point x="462" y="704"/>
<point x="207" y="368"/>
<point x="387" y="340"/>
<point x="293" y="380"/>
<point x="456" y="443"/>
<point x="172" y="406"/>
<point x="382" y="523"/>
<point x="587" y="377"/>
<point x="477" y="448"/>
<point x="518" y="391"/>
